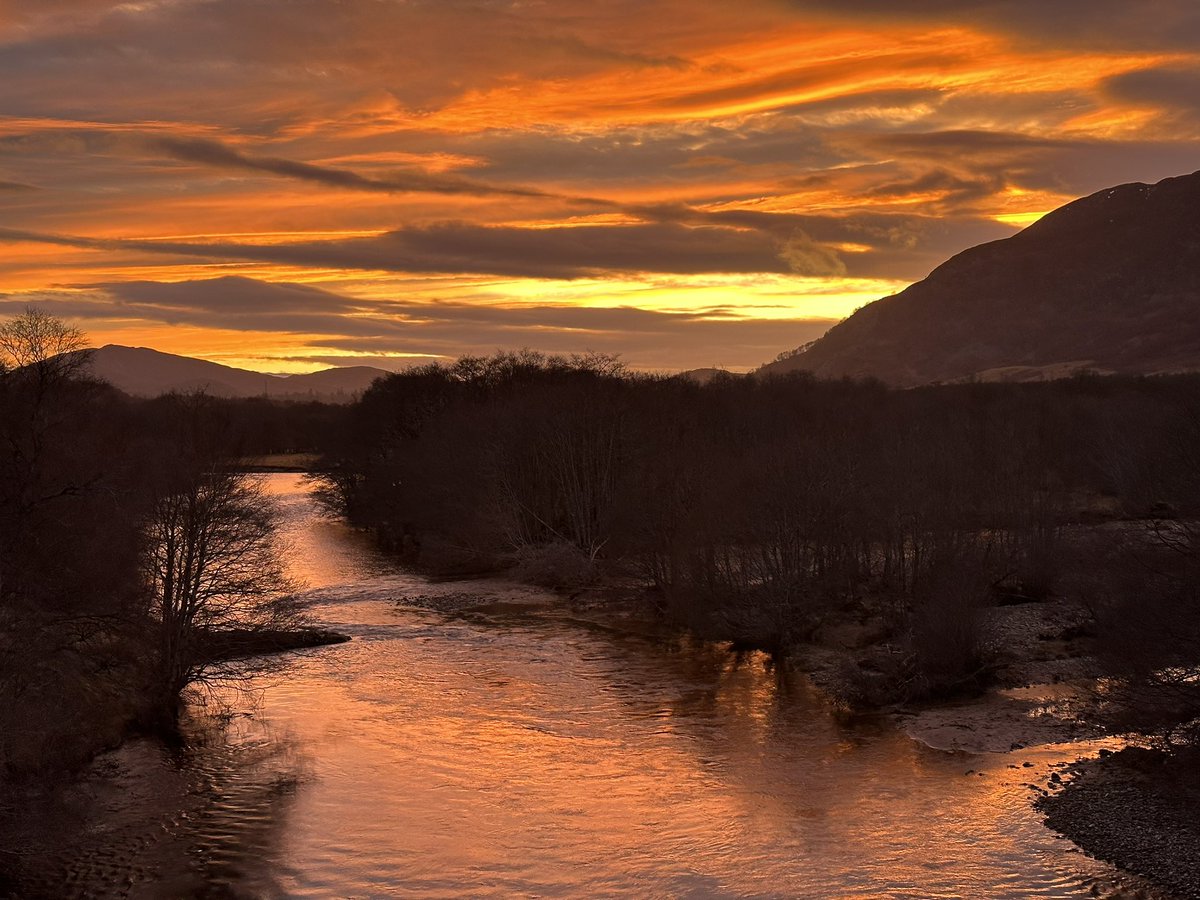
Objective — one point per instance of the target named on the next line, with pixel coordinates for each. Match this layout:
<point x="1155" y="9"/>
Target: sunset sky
<point x="291" y="184"/>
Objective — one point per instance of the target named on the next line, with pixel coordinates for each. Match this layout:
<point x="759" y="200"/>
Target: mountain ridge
<point x="145" y="372"/>
<point x="1109" y="282"/>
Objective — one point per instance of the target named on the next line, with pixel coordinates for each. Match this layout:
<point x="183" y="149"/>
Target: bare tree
<point x="71" y="504"/>
<point x="212" y="559"/>
<point x="41" y="357"/>
<point x="213" y="562"/>
<point x="45" y="344"/>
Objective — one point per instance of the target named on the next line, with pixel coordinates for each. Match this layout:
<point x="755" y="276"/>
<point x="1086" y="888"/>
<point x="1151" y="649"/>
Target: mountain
<point x="1109" y="283"/>
<point x="706" y="376"/>
<point x="148" y="373"/>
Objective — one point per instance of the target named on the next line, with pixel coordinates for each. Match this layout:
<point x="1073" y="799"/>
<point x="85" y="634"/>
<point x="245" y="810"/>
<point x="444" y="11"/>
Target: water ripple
<point x="437" y="756"/>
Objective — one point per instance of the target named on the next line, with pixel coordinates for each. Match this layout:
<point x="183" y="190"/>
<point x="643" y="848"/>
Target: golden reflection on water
<point x="447" y="756"/>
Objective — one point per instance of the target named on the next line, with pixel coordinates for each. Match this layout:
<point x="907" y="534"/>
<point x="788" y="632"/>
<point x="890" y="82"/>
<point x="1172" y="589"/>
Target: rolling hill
<point x="1109" y="283"/>
<point x="147" y="373"/>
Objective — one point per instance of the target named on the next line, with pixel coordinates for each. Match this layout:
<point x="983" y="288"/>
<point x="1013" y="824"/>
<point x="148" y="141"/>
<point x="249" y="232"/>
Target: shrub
<point x="557" y="565"/>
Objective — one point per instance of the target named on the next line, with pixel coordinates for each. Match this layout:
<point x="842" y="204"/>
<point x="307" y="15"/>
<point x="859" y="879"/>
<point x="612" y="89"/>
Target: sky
<point x="287" y="185"/>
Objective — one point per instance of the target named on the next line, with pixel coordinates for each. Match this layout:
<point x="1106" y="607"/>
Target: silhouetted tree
<point x="212" y="559"/>
<point x="213" y="564"/>
<point x="43" y="343"/>
<point x="70" y="507"/>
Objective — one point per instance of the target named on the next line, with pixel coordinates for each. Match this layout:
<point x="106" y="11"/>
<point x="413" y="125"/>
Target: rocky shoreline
<point x="1136" y="809"/>
<point x="1132" y="810"/>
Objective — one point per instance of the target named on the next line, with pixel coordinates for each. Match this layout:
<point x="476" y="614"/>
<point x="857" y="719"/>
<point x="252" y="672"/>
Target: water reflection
<point x="440" y="756"/>
<point x="147" y="821"/>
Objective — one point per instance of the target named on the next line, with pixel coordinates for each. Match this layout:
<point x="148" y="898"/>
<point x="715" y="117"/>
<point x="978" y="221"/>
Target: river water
<point x="524" y="754"/>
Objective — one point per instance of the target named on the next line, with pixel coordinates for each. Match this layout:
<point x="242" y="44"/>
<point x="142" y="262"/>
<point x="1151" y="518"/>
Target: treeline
<point x="257" y="426"/>
<point x="127" y="544"/>
<point x="760" y="509"/>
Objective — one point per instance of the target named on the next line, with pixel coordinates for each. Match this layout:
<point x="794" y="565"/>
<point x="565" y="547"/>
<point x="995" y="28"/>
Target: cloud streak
<point x="334" y="324"/>
<point x="462" y="248"/>
<point x="476" y="149"/>
<point x="214" y="153"/>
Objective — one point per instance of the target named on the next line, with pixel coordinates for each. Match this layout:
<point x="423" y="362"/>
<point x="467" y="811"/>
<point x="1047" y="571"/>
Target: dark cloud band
<point x="348" y="325"/>
<point x="214" y="153"/>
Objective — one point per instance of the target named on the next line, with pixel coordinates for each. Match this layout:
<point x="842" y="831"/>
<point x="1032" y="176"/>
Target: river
<point x="525" y="754"/>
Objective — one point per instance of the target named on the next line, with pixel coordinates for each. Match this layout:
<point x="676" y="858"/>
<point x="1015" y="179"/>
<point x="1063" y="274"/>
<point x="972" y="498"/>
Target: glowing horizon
<point x="290" y="186"/>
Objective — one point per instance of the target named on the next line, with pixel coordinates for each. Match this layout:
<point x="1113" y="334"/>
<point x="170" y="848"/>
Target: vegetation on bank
<point x="766" y="510"/>
<point x="763" y="511"/>
<point x="134" y="563"/>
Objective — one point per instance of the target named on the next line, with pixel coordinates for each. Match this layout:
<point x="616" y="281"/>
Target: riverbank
<point x="1039" y="679"/>
<point x="1041" y="665"/>
<point x="121" y="707"/>
<point x="1037" y="692"/>
<point x="1138" y="819"/>
<point x="1136" y="809"/>
<point x="235" y="643"/>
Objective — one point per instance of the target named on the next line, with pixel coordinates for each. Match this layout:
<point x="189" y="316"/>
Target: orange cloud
<point x="760" y="157"/>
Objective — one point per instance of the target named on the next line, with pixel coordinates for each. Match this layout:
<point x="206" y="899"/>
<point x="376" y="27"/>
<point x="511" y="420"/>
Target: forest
<point x="750" y="510"/>
<point x="758" y="510"/>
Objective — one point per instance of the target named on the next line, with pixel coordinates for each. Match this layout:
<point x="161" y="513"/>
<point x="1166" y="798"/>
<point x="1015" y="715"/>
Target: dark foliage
<point x="93" y="485"/>
<point x="761" y="509"/>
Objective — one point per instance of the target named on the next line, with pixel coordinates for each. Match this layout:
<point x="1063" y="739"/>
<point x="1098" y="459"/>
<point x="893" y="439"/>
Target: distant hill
<point x="148" y="373"/>
<point x="1108" y="283"/>
<point x="706" y="376"/>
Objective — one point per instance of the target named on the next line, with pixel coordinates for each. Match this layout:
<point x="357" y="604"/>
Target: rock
<point x="1136" y="810"/>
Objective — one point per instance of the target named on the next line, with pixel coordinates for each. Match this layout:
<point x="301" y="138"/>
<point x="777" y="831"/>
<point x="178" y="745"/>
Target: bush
<point x="557" y="565"/>
<point x="946" y="641"/>
<point x="1145" y="591"/>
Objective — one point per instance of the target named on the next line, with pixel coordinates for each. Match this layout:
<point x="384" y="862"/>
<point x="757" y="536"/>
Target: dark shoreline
<point x="1145" y="824"/>
<point x="1121" y="808"/>
<point x="1137" y="809"/>
<point x="236" y="643"/>
<point x="140" y="718"/>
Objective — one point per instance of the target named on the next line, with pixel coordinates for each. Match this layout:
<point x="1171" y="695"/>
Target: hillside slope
<point x="147" y="373"/>
<point x="1110" y="282"/>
